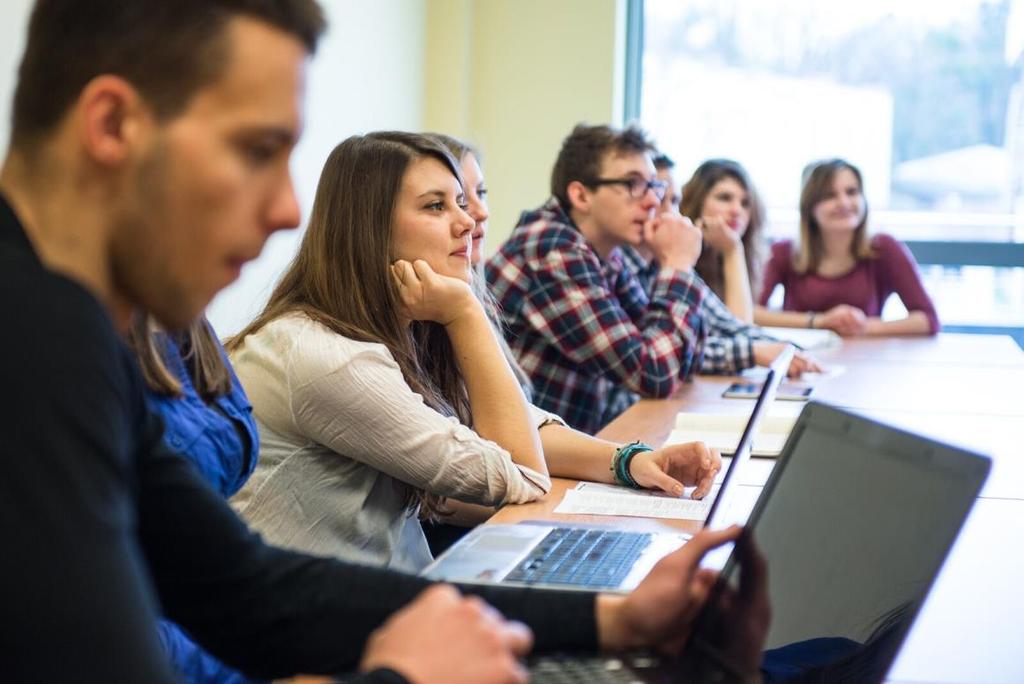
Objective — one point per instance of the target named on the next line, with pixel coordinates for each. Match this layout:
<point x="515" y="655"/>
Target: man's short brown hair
<point x="584" y="149"/>
<point x="167" y="49"/>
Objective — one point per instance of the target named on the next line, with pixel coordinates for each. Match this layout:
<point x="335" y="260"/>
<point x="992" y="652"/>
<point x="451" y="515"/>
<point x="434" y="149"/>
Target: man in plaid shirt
<point x="579" y="322"/>
<point x="732" y="345"/>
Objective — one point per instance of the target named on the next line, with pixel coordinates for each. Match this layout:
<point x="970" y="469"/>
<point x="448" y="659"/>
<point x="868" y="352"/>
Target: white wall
<point x="367" y="75"/>
<point x="13" y="24"/>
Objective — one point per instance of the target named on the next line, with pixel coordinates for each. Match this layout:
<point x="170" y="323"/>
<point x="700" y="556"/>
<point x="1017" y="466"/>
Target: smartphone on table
<point x="751" y="390"/>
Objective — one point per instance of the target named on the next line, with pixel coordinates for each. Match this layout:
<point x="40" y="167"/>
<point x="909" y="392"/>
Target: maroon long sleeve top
<point x="867" y="286"/>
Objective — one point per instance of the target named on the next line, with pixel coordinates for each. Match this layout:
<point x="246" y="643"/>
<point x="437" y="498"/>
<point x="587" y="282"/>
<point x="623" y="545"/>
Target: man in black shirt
<point x="148" y="162"/>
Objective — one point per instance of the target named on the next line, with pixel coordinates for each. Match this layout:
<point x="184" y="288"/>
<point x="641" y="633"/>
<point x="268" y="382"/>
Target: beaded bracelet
<point x="622" y="458"/>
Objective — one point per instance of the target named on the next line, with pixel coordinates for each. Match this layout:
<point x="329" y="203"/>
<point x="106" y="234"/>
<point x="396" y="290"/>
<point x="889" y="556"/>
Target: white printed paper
<point x="591" y="498"/>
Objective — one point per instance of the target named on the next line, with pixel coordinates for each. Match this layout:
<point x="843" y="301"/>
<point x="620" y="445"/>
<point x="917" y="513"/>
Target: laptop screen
<point x="854" y="524"/>
<point x="720" y="514"/>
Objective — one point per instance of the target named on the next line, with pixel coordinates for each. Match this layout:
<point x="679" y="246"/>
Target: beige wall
<point x="514" y="77"/>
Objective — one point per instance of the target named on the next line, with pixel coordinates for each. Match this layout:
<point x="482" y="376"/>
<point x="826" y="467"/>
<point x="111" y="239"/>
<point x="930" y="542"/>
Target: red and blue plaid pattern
<point x="581" y="326"/>
<point x="729" y="347"/>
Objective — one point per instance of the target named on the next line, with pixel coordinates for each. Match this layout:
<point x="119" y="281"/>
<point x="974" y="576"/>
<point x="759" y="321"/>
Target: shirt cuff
<point x="540" y="417"/>
<point x="542" y="483"/>
<point x="381" y="675"/>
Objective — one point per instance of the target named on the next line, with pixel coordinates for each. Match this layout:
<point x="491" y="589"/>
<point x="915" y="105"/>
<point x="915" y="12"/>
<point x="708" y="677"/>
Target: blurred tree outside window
<point x="927" y="98"/>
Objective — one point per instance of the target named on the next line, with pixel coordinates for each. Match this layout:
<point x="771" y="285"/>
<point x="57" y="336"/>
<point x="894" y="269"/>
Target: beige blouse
<point x="342" y="436"/>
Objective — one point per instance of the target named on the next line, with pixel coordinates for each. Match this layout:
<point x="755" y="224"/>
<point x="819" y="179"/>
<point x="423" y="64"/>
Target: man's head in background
<point x="605" y="180"/>
<point x="663" y="164"/>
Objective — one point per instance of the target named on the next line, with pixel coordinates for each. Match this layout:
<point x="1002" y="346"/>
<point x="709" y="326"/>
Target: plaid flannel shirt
<point x="581" y="326"/>
<point x="729" y="347"/>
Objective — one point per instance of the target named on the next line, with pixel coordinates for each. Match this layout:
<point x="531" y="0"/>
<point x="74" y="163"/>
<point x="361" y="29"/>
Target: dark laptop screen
<point x="854" y="525"/>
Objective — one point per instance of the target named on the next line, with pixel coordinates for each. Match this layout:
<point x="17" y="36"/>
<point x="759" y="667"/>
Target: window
<point x="927" y="98"/>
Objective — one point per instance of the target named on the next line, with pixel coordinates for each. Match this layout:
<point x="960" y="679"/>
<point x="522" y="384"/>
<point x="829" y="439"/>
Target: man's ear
<point x="112" y="115"/>
<point x="579" y="196"/>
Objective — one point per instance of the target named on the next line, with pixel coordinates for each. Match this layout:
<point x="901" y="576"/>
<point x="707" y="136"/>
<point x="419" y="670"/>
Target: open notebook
<point x="722" y="432"/>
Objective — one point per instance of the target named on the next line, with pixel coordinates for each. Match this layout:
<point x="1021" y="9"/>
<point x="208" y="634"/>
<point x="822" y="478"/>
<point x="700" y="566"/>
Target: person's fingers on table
<point x="708" y="474"/>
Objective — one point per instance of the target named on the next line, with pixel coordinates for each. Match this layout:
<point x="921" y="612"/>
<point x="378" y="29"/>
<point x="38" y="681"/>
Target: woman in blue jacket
<point x="208" y="420"/>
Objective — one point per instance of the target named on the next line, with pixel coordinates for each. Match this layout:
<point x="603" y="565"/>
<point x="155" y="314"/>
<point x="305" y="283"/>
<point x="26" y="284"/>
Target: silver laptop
<point x="854" y="523"/>
<point x="589" y="557"/>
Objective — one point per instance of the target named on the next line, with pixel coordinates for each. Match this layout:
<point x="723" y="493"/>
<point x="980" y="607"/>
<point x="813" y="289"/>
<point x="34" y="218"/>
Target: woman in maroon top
<point x="836" y="276"/>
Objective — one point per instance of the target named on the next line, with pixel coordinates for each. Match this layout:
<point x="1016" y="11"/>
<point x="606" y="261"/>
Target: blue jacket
<point x="221" y="440"/>
<point x="209" y="435"/>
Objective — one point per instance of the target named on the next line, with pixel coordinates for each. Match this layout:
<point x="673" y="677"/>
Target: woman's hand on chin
<point x="429" y="296"/>
<point x="719" y="235"/>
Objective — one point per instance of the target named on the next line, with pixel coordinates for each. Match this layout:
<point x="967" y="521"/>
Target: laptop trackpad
<point x="486" y="554"/>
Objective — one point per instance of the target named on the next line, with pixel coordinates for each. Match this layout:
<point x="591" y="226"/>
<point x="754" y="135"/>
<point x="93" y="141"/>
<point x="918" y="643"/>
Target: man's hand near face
<point x="674" y="241"/>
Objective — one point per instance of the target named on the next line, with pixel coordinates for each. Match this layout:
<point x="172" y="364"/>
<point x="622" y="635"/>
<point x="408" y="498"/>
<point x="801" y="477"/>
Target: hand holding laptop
<point x="734" y="641"/>
<point x="657" y="615"/>
<point x="660" y="612"/>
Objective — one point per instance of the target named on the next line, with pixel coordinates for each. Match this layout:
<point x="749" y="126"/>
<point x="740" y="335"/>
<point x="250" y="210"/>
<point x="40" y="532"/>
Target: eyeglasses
<point x="637" y="186"/>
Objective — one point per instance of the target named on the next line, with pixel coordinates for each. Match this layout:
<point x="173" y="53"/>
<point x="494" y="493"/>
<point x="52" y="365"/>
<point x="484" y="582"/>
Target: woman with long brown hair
<point x="722" y="201"/>
<point x="837" y="276"/>
<point x="475" y="190"/>
<point x="378" y="384"/>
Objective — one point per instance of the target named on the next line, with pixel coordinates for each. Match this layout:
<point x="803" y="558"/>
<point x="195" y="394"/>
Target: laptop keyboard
<point x="597" y="559"/>
<point x="576" y="669"/>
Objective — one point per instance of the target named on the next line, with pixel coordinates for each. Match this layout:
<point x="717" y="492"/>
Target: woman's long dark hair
<point x="341" y="276"/>
<point x="460" y="149"/>
<point x="202" y="357"/>
<point x="695" y="192"/>
<point x="818" y="179"/>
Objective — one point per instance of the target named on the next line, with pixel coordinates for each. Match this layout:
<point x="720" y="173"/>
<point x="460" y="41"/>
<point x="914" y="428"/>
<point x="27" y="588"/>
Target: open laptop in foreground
<point x="854" y="522"/>
<point x="588" y="557"/>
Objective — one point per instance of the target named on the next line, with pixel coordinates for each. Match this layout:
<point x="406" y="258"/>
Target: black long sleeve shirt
<point x="102" y="528"/>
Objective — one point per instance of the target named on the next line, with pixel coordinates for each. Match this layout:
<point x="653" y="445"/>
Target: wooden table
<point x="976" y="350"/>
<point x="962" y="389"/>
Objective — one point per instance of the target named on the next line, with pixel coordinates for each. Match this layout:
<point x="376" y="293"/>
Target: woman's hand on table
<point x="848" y="321"/>
<point x="672" y="467"/>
